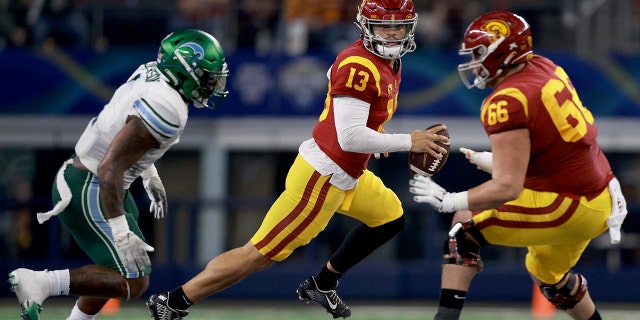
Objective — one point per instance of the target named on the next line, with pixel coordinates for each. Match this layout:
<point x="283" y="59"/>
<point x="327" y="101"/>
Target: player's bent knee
<point x="561" y="297"/>
<point x="253" y="259"/>
<point x="136" y="287"/>
<point x="463" y="245"/>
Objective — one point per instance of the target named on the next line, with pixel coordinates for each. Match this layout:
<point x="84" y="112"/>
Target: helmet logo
<point x="191" y="50"/>
<point x="497" y="28"/>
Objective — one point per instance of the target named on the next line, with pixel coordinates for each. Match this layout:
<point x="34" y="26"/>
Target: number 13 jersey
<point x="360" y="74"/>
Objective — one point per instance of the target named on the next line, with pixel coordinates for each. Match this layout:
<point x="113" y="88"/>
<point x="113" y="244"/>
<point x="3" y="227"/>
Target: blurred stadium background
<point x="62" y="59"/>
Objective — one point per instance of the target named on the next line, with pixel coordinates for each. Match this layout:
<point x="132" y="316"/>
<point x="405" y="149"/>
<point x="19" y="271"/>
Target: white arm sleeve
<point x="351" y="116"/>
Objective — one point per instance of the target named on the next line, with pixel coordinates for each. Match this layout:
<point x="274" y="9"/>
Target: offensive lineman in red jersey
<point x="330" y="172"/>
<point x="551" y="188"/>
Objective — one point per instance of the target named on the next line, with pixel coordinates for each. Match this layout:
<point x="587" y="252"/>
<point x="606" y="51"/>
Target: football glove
<point x="157" y="195"/>
<point x="131" y="249"/>
<point x="427" y="191"/>
<point x="483" y="160"/>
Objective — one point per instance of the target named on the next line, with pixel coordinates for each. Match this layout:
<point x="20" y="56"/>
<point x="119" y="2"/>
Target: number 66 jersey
<point x="562" y="131"/>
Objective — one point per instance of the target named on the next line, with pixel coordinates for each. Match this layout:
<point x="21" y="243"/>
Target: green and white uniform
<point x="148" y="96"/>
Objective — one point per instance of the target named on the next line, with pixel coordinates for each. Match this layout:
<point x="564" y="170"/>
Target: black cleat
<point x="308" y="291"/>
<point x="159" y="308"/>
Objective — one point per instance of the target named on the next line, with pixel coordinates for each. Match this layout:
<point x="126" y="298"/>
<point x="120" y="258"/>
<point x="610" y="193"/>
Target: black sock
<point x="178" y="300"/>
<point x="361" y="241"/>
<point x="451" y="303"/>
<point x="327" y="279"/>
<point x="595" y="315"/>
<point x="454" y="299"/>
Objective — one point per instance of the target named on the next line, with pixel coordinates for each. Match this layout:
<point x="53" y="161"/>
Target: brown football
<point x="425" y="164"/>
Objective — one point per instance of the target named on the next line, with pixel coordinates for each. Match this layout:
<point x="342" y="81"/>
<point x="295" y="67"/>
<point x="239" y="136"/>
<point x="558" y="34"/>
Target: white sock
<point x="76" y="314"/>
<point x="59" y="281"/>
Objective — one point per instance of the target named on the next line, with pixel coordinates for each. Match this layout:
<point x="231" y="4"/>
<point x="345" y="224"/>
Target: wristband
<point x="119" y="225"/>
<point x="460" y="200"/>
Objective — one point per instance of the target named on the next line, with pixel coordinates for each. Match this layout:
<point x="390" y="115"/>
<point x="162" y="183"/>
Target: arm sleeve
<point x="353" y="134"/>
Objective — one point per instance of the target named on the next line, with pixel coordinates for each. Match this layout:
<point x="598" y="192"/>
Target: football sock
<point x="178" y="300"/>
<point x="451" y="303"/>
<point x="362" y="241"/>
<point x="327" y="279"/>
<point x="595" y="315"/>
<point x="59" y="281"/>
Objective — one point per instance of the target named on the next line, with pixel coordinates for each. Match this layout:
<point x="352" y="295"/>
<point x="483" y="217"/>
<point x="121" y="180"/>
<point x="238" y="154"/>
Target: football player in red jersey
<point x="551" y="188"/>
<point x="330" y="172"/>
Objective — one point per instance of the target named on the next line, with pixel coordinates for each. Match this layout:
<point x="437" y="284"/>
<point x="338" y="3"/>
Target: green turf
<point x="58" y="308"/>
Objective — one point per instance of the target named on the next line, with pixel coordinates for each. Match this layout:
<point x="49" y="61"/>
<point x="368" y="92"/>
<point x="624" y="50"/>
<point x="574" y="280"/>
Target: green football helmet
<point x="193" y="61"/>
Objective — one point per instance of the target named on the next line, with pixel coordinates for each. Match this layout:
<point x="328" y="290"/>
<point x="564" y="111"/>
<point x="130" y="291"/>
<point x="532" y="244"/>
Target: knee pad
<point x="463" y="246"/>
<point x="561" y="297"/>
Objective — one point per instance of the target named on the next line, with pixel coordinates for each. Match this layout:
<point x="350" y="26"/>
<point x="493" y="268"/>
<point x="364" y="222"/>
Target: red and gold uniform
<point x="360" y="74"/>
<point x="565" y="201"/>
<point x="324" y="178"/>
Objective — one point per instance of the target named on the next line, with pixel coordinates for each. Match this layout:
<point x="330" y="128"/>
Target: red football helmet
<point x="494" y="41"/>
<point x="383" y="13"/>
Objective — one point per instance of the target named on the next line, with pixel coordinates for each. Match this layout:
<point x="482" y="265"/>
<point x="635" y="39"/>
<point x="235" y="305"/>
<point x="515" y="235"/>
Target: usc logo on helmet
<point x="497" y="28"/>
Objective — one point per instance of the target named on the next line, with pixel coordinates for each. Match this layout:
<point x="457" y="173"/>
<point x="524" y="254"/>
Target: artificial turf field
<point x="58" y="309"/>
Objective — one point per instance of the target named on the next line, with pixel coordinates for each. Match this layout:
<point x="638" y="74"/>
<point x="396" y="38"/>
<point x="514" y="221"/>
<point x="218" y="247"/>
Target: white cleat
<point x="31" y="288"/>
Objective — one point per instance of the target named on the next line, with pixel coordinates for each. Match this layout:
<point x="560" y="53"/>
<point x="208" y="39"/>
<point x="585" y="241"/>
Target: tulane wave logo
<point x="192" y="49"/>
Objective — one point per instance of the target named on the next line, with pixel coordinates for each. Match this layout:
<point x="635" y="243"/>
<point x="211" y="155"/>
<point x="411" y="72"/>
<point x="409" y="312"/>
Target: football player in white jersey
<point x="143" y="119"/>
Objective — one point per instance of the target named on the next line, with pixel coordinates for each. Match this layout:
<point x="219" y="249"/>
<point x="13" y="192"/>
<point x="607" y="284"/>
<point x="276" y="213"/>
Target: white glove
<point x="484" y="159"/>
<point x="157" y="195"/>
<point x="131" y="249"/>
<point x="427" y="191"/>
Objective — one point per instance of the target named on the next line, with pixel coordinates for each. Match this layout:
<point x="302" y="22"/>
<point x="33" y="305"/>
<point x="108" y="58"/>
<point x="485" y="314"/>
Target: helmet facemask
<point x="380" y="13"/>
<point x="214" y="87"/>
<point x="388" y="49"/>
<point x="474" y="73"/>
